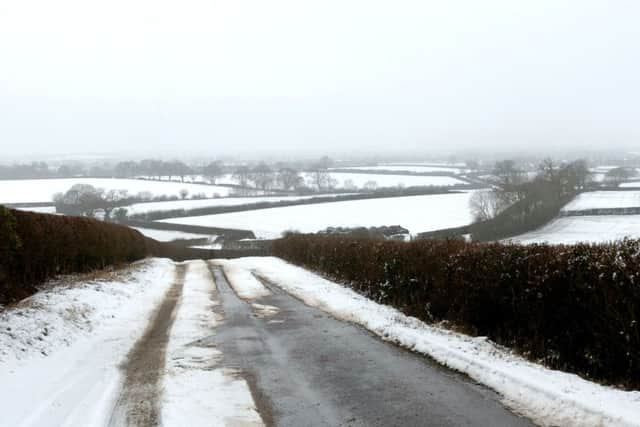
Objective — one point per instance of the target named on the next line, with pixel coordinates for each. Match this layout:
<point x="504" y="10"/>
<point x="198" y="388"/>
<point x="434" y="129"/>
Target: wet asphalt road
<point x="306" y="368"/>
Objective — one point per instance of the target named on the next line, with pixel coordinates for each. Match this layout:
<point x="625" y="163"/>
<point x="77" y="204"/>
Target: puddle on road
<point x="264" y="311"/>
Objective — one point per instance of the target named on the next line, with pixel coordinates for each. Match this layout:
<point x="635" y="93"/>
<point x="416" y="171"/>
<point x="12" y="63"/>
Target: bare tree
<point x="618" y="175"/>
<point x="113" y="199"/>
<point x="485" y="204"/>
<point x="242" y="176"/>
<point x="262" y="176"/>
<point x="349" y="185"/>
<point x="213" y="171"/>
<point x="319" y="179"/>
<point x="184" y="193"/>
<point x="370" y="185"/>
<point x="289" y="178"/>
<point x="80" y="199"/>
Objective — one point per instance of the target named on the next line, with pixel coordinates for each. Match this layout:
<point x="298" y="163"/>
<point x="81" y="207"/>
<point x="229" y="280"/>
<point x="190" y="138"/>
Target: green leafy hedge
<point x="35" y="247"/>
<point x="574" y="308"/>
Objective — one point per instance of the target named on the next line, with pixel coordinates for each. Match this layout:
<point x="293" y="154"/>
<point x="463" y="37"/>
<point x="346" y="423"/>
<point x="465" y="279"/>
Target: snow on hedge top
<point x="42" y="190"/>
<point x="604" y="200"/>
<point x="416" y="213"/>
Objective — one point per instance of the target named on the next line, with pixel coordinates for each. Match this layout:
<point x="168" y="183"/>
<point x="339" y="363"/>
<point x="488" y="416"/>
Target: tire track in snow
<point x="140" y="395"/>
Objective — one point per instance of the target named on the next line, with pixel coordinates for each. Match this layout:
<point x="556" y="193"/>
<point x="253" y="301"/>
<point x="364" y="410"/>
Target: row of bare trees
<point x="551" y="183"/>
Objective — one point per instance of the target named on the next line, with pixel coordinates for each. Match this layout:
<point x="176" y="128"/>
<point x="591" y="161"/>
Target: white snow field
<point x="140" y="208"/>
<point x="42" y="190"/>
<point x="170" y="235"/>
<point x="588" y="229"/>
<point x="195" y="391"/>
<point x="409" y="168"/>
<point x="631" y="184"/>
<point x="60" y="350"/>
<point x="604" y="200"/>
<point x="383" y="180"/>
<point x="548" y="397"/>
<point x="416" y="213"/>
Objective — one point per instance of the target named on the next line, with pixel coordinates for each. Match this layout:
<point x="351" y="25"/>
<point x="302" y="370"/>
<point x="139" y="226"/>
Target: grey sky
<point x="238" y="76"/>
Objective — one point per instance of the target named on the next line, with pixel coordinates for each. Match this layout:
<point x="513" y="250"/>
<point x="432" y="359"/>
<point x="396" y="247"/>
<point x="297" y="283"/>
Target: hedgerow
<point x="574" y="308"/>
<point x="35" y="247"/>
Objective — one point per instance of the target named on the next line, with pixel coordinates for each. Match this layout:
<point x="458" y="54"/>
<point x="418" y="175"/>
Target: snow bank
<point x="546" y="396"/>
<point x="245" y="285"/>
<point x="60" y="350"/>
<point x="195" y="392"/>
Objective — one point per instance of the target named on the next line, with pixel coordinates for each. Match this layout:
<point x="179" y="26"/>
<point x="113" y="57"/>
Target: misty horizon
<point x="249" y="79"/>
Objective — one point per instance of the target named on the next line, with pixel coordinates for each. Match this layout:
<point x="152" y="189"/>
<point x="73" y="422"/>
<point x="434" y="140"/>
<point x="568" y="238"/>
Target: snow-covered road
<point x="257" y="341"/>
<point x="120" y="351"/>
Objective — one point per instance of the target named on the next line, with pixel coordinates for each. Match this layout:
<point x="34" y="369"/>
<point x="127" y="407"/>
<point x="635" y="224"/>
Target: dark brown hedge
<point x="35" y="247"/>
<point x="574" y="308"/>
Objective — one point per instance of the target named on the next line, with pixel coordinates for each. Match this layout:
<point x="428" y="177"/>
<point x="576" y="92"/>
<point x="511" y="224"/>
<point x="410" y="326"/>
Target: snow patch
<point x="60" y="350"/>
<point x="245" y="285"/>
<point x="196" y="391"/>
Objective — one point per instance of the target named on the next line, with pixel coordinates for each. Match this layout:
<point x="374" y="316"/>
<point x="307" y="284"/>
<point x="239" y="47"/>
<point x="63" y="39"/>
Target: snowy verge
<point x="60" y="349"/>
<point x="193" y="388"/>
<point x="244" y="284"/>
<point x="546" y="396"/>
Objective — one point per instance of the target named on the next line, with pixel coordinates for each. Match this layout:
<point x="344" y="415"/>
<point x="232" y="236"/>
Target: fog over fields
<point x="319" y="213"/>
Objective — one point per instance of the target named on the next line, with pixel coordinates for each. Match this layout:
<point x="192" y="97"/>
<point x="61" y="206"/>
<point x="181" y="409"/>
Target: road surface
<point x="306" y="368"/>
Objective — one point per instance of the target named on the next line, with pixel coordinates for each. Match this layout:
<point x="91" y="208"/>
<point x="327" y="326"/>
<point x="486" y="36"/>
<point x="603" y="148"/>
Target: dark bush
<point x="574" y="308"/>
<point x="35" y="247"/>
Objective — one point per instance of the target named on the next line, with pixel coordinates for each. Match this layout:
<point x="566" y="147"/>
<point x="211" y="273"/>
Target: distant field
<point x="416" y="213"/>
<point x="168" y="235"/>
<point x="633" y="184"/>
<point x="360" y="179"/>
<point x="40" y="209"/>
<point x="604" y="200"/>
<point x="140" y="208"/>
<point x="42" y="190"/>
<point x="409" y="168"/>
<point x="590" y="229"/>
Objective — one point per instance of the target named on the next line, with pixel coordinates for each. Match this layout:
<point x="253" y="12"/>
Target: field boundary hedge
<point x="35" y="247"/>
<point x="574" y="308"/>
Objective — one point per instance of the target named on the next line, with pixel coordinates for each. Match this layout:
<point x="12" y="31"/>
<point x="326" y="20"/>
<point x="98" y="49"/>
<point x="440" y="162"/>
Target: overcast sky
<point x="245" y="76"/>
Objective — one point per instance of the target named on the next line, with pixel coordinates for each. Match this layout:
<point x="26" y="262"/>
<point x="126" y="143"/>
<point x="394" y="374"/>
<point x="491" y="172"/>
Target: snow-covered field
<point x="604" y="200"/>
<point x="360" y="179"/>
<point x="546" y="396"/>
<point x="140" y="208"/>
<point x="410" y="168"/>
<point x="416" y="213"/>
<point x="42" y="190"/>
<point x="592" y="229"/>
<point x="631" y="184"/>
<point x="170" y="235"/>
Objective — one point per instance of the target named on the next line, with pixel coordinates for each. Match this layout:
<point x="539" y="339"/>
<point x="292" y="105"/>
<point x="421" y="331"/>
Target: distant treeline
<point x="35" y="247"/>
<point x="573" y="308"/>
